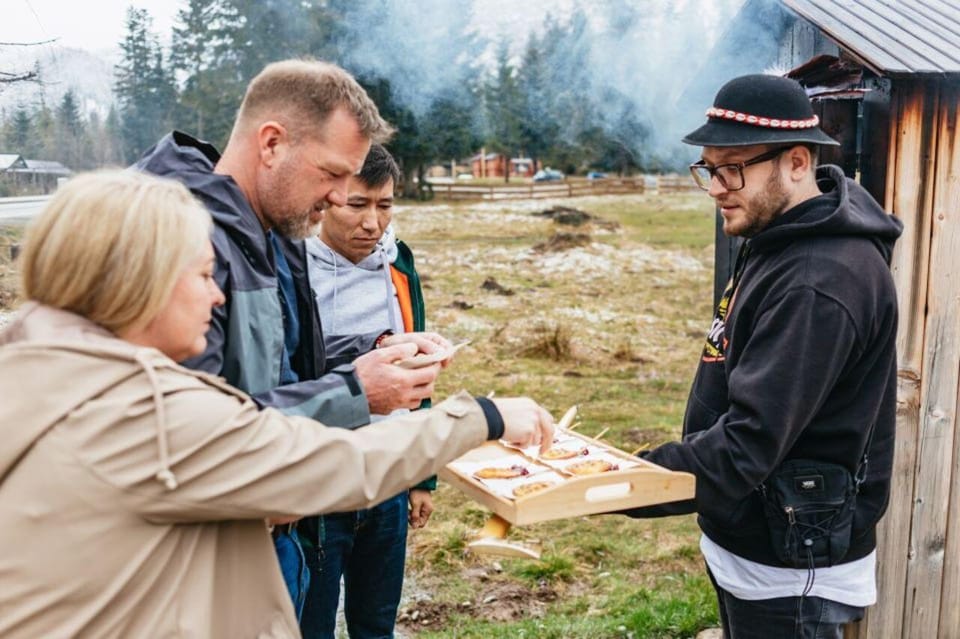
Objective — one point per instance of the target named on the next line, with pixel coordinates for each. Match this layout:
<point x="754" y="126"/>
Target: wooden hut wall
<point x="945" y="295"/>
<point x="917" y="562"/>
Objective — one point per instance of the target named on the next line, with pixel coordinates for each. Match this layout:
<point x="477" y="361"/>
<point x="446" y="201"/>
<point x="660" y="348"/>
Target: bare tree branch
<point x="7" y="77"/>
<point x="26" y="76"/>
<point x="27" y="44"/>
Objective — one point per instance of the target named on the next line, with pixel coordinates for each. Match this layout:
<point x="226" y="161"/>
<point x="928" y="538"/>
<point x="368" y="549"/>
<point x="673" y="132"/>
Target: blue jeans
<point x="784" y="617"/>
<point x="293" y="566"/>
<point x="368" y="548"/>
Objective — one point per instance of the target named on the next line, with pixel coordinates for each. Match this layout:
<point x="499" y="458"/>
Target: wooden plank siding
<point x="909" y="194"/>
<point x="918" y="563"/>
<point x="938" y="399"/>
<point x="946" y="234"/>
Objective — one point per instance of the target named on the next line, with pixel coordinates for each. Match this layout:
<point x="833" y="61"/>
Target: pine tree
<point x="112" y="139"/>
<point x="408" y="145"/>
<point x="505" y="109"/>
<point x="144" y="87"/>
<point x="539" y="129"/>
<point x="201" y="51"/>
<point x="264" y="31"/>
<point x="70" y="134"/>
<point x="448" y="128"/>
<point x="18" y="131"/>
<point x="42" y="145"/>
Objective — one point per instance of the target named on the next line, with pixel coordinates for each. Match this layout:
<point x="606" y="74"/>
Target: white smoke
<point x="642" y="56"/>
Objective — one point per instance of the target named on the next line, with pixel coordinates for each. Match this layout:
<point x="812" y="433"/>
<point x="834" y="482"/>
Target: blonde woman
<point x="133" y="491"/>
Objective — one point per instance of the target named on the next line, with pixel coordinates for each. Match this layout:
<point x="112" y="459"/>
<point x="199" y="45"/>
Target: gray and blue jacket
<point x="245" y="343"/>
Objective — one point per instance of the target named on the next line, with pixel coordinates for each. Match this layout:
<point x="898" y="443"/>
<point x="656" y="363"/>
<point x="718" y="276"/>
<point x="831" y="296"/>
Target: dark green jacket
<point x="404" y="265"/>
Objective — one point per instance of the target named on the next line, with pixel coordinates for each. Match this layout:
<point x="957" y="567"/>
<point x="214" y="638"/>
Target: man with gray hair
<point x="303" y="129"/>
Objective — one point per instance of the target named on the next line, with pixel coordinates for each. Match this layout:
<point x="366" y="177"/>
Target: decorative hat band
<point x="755" y="120"/>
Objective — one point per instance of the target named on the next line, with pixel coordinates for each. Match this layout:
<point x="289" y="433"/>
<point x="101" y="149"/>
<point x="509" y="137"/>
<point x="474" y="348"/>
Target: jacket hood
<point x="388" y="244"/>
<point x="190" y="161"/>
<point x="844" y="209"/>
<point x="328" y="260"/>
<point x="46" y="348"/>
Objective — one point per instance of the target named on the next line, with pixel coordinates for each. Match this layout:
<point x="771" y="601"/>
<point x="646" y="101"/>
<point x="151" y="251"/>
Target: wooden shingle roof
<point x="892" y="37"/>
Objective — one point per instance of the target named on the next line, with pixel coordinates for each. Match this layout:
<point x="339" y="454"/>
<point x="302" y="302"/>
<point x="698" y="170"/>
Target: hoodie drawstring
<point x="333" y="315"/>
<point x="164" y="475"/>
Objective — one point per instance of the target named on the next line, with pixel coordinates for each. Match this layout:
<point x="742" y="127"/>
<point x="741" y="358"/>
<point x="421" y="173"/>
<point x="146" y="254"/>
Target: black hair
<point x="379" y="167"/>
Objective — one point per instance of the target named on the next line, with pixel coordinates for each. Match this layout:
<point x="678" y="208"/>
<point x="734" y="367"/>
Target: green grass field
<point x="613" y="323"/>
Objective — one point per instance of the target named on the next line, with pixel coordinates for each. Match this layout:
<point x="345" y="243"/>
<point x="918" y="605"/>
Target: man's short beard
<point x="766" y="206"/>
<point x="297" y="227"/>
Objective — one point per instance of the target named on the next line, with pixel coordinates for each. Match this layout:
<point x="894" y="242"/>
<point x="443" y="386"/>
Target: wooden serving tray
<point x="641" y="485"/>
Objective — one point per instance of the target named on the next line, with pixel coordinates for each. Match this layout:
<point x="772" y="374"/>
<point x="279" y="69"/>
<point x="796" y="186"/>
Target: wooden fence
<point x="673" y="183"/>
<point x="569" y="187"/>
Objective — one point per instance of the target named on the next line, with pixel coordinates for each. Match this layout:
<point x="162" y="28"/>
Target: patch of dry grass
<point x="9" y="278"/>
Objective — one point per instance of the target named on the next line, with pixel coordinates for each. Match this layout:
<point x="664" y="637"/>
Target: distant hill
<point x="89" y="74"/>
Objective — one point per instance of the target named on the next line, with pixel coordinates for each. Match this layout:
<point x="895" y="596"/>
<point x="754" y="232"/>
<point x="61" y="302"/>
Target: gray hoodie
<point x="355" y="298"/>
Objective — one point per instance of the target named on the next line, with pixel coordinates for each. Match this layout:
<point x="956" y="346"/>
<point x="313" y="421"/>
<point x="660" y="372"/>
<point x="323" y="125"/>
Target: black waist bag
<point x="809" y="508"/>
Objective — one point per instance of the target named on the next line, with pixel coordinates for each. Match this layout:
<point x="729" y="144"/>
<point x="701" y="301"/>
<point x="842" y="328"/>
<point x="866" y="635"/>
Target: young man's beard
<point x="765" y="206"/>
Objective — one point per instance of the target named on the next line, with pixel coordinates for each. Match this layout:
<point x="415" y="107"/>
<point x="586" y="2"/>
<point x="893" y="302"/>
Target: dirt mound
<point x="496" y="602"/>
<point x="562" y="242"/>
<point x="566" y="215"/>
<point x="492" y="285"/>
<point x="426" y="615"/>
<point x="506" y="602"/>
<point x="569" y="216"/>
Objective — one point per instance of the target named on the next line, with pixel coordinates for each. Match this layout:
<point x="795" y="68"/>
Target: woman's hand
<point x="525" y="422"/>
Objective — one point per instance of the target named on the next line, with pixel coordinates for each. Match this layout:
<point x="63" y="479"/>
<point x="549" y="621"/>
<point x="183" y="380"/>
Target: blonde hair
<point x="110" y="246"/>
<point x="301" y="95"/>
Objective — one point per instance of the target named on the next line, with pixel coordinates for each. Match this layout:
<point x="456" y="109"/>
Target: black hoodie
<point x="801" y="365"/>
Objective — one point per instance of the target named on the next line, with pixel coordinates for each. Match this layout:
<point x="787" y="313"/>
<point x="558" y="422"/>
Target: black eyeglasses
<point x="730" y="175"/>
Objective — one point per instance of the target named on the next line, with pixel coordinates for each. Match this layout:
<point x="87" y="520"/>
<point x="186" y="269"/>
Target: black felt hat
<point x="760" y="109"/>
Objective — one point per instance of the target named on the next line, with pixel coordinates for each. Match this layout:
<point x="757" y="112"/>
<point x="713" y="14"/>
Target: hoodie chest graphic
<point x="715" y="348"/>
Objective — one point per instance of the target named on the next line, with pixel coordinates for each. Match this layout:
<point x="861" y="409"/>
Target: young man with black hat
<point x="789" y="427"/>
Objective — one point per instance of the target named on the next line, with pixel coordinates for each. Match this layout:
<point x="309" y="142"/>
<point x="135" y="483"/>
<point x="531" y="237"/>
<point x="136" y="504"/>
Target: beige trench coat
<point x="133" y="491"/>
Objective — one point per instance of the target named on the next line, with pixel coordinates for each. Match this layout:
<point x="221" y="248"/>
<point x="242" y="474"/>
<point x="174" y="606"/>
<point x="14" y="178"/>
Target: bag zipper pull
<point x="790" y="515"/>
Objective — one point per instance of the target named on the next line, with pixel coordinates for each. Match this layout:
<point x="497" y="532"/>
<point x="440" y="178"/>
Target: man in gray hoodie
<point x="364" y="282"/>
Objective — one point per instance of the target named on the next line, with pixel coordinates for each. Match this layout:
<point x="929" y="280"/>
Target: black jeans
<point x="783" y="617"/>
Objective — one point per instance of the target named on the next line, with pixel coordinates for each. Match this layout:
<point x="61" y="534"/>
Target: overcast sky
<point x="99" y="24"/>
<point x="91" y="25"/>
